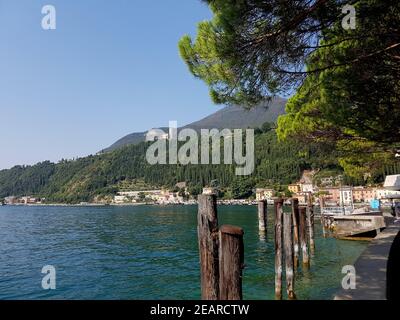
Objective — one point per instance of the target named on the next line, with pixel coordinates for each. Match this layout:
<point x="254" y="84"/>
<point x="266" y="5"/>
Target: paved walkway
<point x="371" y="268"/>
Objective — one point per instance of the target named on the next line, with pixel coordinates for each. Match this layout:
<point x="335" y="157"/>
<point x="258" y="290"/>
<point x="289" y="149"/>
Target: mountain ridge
<point x="231" y="117"/>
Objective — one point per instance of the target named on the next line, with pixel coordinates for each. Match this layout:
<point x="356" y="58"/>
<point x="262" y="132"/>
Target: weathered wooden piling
<point x="207" y="230"/>
<point x="262" y="215"/>
<point x="310" y="222"/>
<point x="288" y="249"/>
<point x="278" y="204"/>
<point x="231" y="257"/>
<point x="322" y="206"/>
<point x="322" y="201"/>
<point x="296" y="245"/>
<point x="303" y="236"/>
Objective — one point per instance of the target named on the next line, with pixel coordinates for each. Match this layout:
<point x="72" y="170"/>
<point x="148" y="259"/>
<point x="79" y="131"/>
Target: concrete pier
<point x="346" y="226"/>
<point x="377" y="269"/>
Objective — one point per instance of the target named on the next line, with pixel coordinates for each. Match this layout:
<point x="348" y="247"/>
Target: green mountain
<point x="101" y="176"/>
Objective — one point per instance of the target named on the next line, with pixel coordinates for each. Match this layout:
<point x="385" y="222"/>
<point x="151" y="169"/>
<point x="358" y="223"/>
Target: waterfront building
<point x="157" y="196"/>
<point x="27" y="200"/>
<point x="332" y="194"/>
<point x="384" y="194"/>
<point x="11" y="200"/>
<point x="264" y="194"/>
<point x="307" y="187"/>
<point x="209" y="190"/>
<point x="135" y="194"/>
<point x="346" y="196"/>
<point x="362" y="194"/>
<point x="392" y="182"/>
<point x="302" y="197"/>
<point x="120" y="199"/>
<point x="294" y="188"/>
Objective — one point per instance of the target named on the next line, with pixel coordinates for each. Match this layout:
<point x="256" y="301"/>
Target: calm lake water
<point x="143" y="252"/>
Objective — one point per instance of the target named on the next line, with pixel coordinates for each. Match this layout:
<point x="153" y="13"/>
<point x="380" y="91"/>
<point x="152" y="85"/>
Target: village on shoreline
<point x="327" y="188"/>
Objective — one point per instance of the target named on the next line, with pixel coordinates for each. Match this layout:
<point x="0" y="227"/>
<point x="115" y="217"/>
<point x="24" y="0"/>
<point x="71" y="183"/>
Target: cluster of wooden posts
<point x="294" y="237"/>
<point x="222" y="252"/>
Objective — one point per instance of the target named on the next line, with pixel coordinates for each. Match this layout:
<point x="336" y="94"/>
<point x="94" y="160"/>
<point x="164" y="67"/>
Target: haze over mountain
<point x="231" y="117"/>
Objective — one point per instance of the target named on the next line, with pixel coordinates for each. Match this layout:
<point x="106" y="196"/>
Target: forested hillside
<point x="101" y="176"/>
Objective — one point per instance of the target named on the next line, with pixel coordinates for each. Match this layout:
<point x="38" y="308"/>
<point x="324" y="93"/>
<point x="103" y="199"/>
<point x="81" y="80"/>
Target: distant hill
<point x="99" y="177"/>
<point x="232" y="117"/>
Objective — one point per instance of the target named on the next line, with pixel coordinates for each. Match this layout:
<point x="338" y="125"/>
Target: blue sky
<point x="109" y="69"/>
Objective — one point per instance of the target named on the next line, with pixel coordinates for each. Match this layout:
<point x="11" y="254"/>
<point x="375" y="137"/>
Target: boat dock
<point x="358" y="225"/>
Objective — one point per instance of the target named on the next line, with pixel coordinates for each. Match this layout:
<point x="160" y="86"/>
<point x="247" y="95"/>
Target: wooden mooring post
<point x="262" y="215"/>
<point x="207" y="229"/>
<point x="303" y="236"/>
<point x="296" y="245"/>
<point x="288" y="249"/>
<point x="321" y="207"/>
<point x="310" y="223"/>
<point x="231" y="256"/>
<point x="278" y="204"/>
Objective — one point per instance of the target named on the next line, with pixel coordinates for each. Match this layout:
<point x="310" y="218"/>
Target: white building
<point x="156" y="134"/>
<point x="264" y="194"/>
<point x="209" y="190"/>
<point x="157" y="196"/>
<point x="382" y="193"/>
<point x="135" y="194"/>
<point x="346" y="196"/>
<point x="392" y="182"/>
<point x="120" y="199"/>
<point x="307" y="187"/>
<point x="11" y="200"/>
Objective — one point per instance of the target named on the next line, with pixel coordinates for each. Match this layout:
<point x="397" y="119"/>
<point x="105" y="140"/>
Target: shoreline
<point x="120" y="204"/>
<point x="220" y="202"/>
